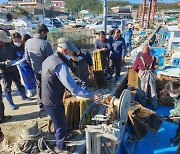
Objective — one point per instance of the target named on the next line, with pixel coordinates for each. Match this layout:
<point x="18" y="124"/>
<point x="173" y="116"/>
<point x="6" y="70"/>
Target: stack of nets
<point x="100" y="60"/>
<point x="74" y="108"/>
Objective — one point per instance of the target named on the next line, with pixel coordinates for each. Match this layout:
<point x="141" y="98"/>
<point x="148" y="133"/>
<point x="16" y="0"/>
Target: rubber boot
<point x="23" y="95"/>
<point x="154" y="103"/>
<point x="10" y="102"/>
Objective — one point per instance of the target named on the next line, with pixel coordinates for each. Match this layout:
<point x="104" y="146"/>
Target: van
<point x="99" y="25"/>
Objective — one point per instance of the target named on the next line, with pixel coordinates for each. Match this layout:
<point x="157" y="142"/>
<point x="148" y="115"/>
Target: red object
<point x="154" y="10"/>
<point x="138" y="65"/>
<point x="151" y="9"/>
<point x="143" y="13"/>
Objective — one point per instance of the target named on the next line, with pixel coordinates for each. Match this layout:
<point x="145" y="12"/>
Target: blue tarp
<point x="26" y="72"/>
<point x="151" y="143"/>
<point x="159" y="54"/>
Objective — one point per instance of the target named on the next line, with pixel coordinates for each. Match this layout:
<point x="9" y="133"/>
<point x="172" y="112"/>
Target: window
<point x="109" y="22"/>
<point x="99" y="23"/>
<point x="117" y="22"/>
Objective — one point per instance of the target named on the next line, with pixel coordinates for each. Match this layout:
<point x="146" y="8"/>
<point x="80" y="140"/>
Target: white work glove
<point x="8" y="63"/>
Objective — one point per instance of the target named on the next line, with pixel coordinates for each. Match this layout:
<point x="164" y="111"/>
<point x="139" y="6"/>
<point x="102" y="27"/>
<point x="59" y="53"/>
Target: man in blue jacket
<point x="128" y="33"/>
<point x="118" y="52"/>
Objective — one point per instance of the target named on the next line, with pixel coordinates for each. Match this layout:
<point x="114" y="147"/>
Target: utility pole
<point x="105" y="15"/>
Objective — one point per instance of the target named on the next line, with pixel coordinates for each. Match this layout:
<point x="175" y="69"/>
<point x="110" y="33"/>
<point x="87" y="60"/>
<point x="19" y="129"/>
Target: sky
<point x="132" y="1"/>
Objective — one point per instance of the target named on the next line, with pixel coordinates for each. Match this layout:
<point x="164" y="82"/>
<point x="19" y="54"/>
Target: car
<point x="19" y="23"/>
<point x="99" y="25"/>
<point x="47" y="22"/>
<point x="80" y="23"/>
<point x="56" y="22"/>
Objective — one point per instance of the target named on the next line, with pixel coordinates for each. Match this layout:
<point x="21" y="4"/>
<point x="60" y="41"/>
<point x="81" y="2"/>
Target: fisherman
<point x="9" y="73"/>
<point x="128" y="33"/>
<point x="103" y="44"/>
<point x="24" y="67"/>
<point x="145" y="65"/>
<point x="37" y="49"/>
<point x="81" y="66"/>
<point x="55" y="78"/>
<point x="118" y="52"/>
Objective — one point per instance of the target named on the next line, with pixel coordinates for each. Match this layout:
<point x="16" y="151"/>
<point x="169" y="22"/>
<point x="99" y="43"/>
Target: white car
<point x="19" y="23"/>
<point x="80" y="23"/>
<point x="99" y="25"/>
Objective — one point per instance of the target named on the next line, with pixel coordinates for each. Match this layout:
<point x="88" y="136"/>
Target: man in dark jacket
<point x="9" y="73"/>
<point x="55" y="78"/>
<point x="118" y="51"/>
<point x="37" y="49"/>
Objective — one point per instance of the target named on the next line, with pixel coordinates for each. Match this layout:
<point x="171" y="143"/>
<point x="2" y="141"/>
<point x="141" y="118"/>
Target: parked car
<point x="19" y="23"/>
<point x="99" y="25"/>
<point x="80" y="23"/>
<point x="56" y="22"/>
<point x="47" y="22"/>
<point x="77" y="23"/>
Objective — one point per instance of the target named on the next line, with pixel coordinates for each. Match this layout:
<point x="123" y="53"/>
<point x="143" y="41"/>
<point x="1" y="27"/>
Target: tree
<point x="77" y="5"/>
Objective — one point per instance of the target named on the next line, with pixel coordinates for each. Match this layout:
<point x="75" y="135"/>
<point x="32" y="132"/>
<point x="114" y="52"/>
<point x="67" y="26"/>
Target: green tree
<point x="77" y="5"/>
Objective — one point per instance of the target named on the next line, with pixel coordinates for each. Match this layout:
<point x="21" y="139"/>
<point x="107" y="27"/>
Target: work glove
<point x="8" y="63"/>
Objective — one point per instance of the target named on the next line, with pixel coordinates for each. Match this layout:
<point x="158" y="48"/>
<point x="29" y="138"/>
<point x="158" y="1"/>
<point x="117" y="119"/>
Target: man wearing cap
<point x="37" y="49"/>
<point x="9" y="73"/>
<point x="55" y="78"/>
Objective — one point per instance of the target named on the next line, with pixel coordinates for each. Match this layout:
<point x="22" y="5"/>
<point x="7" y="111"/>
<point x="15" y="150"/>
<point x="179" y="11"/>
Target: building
<point x="60" y="4"/>
<point x="122" y="12"/>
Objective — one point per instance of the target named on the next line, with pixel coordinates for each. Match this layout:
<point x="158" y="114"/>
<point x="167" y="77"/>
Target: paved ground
<point x="28" y="111"/>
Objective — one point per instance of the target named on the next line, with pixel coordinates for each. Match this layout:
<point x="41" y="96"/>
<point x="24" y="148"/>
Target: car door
<point x="109" y="24"/>
<point x="99" y="26"/>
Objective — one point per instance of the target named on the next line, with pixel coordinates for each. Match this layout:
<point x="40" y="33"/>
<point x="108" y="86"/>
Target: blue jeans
<point x="59" y="121"/>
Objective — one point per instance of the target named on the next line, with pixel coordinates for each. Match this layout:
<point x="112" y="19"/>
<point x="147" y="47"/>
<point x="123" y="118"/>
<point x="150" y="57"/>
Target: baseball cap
<point x="67" y="44"/>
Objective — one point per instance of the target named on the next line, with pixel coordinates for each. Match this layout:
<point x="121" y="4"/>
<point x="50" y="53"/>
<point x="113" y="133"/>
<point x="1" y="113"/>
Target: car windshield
<point x="111" y="22"/>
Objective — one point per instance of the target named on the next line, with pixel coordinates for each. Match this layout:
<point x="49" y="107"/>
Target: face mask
<point x="17" y="44"/>
<point x="1" y="43"/>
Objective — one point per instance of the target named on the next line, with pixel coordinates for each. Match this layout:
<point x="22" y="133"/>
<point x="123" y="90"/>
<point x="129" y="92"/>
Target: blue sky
<point x="132" y="1"/>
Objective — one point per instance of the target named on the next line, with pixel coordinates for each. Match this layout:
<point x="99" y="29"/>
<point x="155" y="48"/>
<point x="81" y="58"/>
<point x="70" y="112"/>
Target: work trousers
<point x="59" y="121"/>
<point x="14" y="76"/>
<point x="147" y="87"/>
<point x="116" y="63"/>
<point x="1" y="104"/>
<point x="38" y="82"/>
